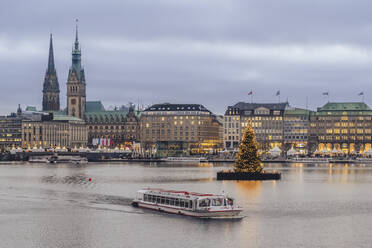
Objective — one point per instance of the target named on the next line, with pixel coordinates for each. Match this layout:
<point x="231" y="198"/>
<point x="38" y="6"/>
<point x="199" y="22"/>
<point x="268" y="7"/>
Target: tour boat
<point x="184" y="159"/>
<point x="38" y="159"/>
<point x="68" y="159"/>
<point x="187" y="203"/>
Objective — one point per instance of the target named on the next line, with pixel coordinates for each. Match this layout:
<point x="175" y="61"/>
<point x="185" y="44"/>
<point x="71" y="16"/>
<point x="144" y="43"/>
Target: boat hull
<point x="220" y="214"/>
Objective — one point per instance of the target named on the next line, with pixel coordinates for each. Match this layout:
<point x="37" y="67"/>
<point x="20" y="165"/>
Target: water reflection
<point x="313" y="205"/>
<point x="248" y="188"/>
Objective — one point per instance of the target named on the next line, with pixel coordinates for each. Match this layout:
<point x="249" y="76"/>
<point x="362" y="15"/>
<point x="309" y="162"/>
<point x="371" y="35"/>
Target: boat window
<point x="182" y="203"/>
<point x="162" y="200"/>
<point x="153" y="199"/>
<point x="177" y="202"/>
<point x="230" y="201"/>
<point x="167" y="200"/>
<point x="149" y="198"/>
<point x="145" y="197"/>
<point x="204" y="203"/>
<point x="186" y="204"/>
<point x="224" y="202"/>
<point x="190" y="204"/>
<point x="158" y="199"/>
<point x="172" y="201"/>
<point x="217" y="202"/>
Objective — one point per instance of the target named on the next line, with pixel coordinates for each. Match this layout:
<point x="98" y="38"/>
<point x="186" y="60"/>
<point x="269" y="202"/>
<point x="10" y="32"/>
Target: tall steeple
<point x="51" y="85"/>
<point x="76" y="55"/>
<point x="76" y="89"/>
<point x="51" y="67"/>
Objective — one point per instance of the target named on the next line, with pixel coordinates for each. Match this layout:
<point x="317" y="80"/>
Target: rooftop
<point x="177" y="107"/>
<point x="65" y="118"/>
<point x="252" y="106"/>
<point x="344" y="108"/>
<point x="296" y="111"/>
<point x="31" y="108"/>
<point x="107" y="114"/>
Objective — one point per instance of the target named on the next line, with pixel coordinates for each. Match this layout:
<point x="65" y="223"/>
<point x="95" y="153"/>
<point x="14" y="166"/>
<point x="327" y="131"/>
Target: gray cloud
<point x="197" y="51"/>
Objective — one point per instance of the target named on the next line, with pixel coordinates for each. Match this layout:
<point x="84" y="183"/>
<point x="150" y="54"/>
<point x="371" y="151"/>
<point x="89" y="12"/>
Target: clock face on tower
<point x="73" y="101"/>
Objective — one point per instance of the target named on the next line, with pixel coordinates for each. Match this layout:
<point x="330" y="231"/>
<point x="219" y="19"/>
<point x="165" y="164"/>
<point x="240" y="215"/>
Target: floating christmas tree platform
<point x="248" y="165"/>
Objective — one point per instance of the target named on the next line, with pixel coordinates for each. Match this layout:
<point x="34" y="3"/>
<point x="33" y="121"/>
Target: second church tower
<point x="76" y="87"/>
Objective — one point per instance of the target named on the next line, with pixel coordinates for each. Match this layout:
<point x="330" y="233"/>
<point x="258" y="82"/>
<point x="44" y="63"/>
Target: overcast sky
<point x="211" y="52"/>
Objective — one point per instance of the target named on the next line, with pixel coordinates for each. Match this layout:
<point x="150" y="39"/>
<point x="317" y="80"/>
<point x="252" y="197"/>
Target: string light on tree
<point x="247" y="159"/>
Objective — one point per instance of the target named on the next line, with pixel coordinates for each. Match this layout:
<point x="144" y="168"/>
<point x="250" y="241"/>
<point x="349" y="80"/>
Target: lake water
<point x="57" y="206"/>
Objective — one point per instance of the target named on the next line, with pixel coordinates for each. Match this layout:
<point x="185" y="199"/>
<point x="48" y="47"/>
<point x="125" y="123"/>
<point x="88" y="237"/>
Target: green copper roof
<point x="31" y="108"/>
<point x="65" y="118"/>
<point x="345" y="106"/>
<point x="94" y="106"/>
<point x="296" y="111"/>
<point x="103" y="115"/>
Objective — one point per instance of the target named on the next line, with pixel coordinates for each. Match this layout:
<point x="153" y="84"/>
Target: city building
<point x="119" y="127"/>
<point x="50" y="131"/>
<point x="341" y="126"/>
<point x="266" y="119"/>
<point x="296" y="129"/>
<point x="10" y="132"/>
<point x="51" y="86"/>
<point x="179" y="129"/>
<point x="76" y="87"/>
<point x="132" y="127"/>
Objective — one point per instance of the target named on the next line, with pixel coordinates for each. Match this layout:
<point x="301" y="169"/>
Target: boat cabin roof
<point x="177" y="192"/>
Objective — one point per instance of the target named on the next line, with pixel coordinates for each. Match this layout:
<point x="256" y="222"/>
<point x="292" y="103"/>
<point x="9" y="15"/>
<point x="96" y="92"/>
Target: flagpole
<point x="251" y="96"/>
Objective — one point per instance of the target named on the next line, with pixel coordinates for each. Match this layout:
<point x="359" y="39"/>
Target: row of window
<point x="344" y="137"/>
<point x="344" y="118"/>
<point x="345" y="131"/>
<point x="183" y="203"/>
<point x="256" y="118"/>
<point x="296" y="137"/>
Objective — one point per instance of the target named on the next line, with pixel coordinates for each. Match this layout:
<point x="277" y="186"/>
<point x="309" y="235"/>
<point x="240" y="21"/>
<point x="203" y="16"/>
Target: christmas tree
<point x="247" y="159"/>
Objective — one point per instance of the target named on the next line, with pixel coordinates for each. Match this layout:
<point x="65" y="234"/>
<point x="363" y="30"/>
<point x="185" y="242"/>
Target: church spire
<point x="76" y="87"/>
<point x="51" y="85"/>
<point x="76" y="55"/>
<point x="51" y="67"/>
<point x="76" y="35"/>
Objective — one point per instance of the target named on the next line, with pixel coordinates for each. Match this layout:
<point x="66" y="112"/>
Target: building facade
<point x="189" y="128"/>
<point x="343" y="126"/>
<point x="132" y="126"/>
<point x="267" y="120"/>
<point x="10" y="132"/>
<point x="119" y="127"/>
<point x="76" y="87"/>
<point x="50" y="131"/>
<point x="296" y="129"/>
<point x="51" y="85"/>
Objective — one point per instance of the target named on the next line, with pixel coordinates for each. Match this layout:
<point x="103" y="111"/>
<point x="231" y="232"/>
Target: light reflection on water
<point x="314" y="205"/>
